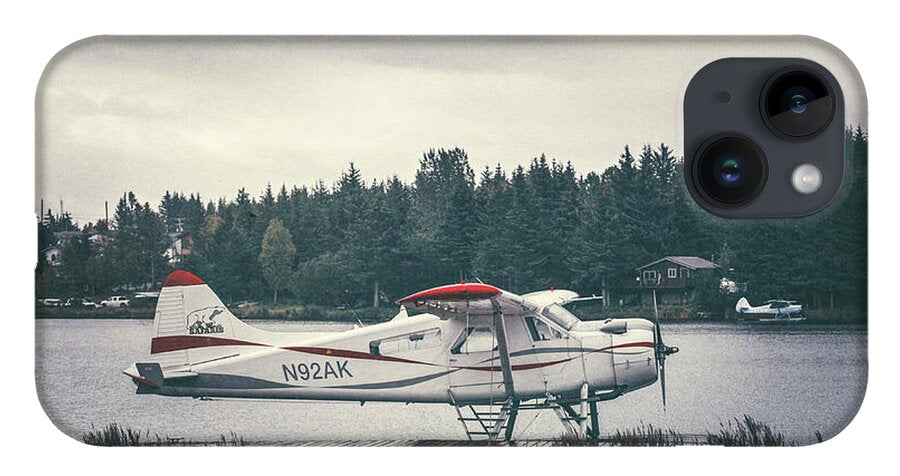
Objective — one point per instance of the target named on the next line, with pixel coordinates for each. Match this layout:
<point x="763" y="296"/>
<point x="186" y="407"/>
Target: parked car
<point x="143" y="300"/>
<point x="115" y="301"/>
<point x="82" y="303"/>
<point x="52" y="302"/>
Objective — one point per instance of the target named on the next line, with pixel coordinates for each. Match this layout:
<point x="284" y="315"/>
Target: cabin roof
<point x="690" y="262"/>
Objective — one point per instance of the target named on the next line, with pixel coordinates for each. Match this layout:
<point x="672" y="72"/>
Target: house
<point x="99" y="240"/>
<point x="179" y="246"/>
<point x="53" y="255"/>
<point x="673" y="278"/>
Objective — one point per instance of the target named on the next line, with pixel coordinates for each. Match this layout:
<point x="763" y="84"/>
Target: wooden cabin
<point x="673" y="278"/>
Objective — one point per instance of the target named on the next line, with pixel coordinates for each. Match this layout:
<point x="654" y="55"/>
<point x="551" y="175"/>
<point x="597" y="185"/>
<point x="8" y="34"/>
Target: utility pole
<point x="62" y="213"/>
<point x="604" y="291"/>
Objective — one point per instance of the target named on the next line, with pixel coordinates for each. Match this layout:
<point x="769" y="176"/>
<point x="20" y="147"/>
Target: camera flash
<point x="807" y="178"/>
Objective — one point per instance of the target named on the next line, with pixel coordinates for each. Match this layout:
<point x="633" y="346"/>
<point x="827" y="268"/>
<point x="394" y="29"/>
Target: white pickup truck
<point x="115" y="301"/>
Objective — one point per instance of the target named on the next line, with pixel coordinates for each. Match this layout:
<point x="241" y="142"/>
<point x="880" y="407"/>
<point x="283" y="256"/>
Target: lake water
<point x="799" y="378"/>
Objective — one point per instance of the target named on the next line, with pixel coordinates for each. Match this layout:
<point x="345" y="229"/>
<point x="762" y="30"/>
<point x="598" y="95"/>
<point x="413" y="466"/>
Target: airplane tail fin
<point x="192" y="325"/>
<point x="742" y="305"/>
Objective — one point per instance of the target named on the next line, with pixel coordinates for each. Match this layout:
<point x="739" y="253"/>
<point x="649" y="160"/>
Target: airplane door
<point x="551" y="348"/>
<point x="474" y="363"/>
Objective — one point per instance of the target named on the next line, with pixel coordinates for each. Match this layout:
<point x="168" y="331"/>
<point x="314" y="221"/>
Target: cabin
<point x="180" y="245"/>
<point x="672" y="278"/>
<point x="53" y="255"/>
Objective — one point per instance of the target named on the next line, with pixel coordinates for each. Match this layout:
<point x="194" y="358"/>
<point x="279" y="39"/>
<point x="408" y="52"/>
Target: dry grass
<point x="746" y="431"/>
<point x="743" y="431"/>
<point x="115" y="435"/>
<point x="648" y="435"/>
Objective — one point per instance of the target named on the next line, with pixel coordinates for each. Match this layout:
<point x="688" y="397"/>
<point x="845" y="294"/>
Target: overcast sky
<point x="214" y="115"/>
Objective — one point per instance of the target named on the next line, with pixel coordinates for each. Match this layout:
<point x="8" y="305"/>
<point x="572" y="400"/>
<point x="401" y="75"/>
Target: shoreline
<point x="384" y="314"/>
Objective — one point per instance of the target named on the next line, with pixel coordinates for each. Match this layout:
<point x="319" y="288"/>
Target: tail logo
<point x="202" y="321"/>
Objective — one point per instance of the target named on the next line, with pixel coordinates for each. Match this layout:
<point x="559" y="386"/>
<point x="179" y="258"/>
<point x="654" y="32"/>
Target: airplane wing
<point x="456" y="301"/>
<point x="555" y="296"/>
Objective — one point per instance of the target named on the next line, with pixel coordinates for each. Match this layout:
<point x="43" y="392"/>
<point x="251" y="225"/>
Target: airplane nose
<point x="634" y="356"/>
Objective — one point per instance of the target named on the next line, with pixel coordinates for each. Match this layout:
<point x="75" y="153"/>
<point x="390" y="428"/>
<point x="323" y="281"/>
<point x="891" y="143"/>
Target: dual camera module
<point x="757" y="125"/>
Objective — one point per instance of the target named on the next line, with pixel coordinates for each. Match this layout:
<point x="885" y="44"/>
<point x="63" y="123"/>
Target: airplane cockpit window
<point x="539" y="329"/>
<point x="475" y="339"/>
<point x="412" y="341"/>
<point x="560" y="316"/>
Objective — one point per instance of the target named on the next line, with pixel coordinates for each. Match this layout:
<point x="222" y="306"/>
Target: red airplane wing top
<point x="453" y="293"/>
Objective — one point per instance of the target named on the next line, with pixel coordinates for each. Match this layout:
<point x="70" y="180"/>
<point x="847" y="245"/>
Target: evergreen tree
<point x="525" y="229"/>
<point x="444" y="215"/>
<point x="136" y="253"/>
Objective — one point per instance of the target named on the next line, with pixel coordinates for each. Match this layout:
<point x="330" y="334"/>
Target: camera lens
<point x="798" y="103"/>
<point x="730" y="170"/>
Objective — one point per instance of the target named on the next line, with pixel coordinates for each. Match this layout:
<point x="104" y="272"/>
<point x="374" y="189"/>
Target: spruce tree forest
<point x="362" y="242"/>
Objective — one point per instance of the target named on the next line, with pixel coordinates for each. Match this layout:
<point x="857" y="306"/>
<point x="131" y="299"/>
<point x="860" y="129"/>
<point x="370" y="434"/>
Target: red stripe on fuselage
<point x="629" y="344"/>
<point x="497" y="368"/>
<point x="173" y="343"/>
<point x="547" y="364"/>
<point x="353" y="354"/>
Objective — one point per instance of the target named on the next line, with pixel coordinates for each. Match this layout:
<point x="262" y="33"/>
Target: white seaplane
<point x="771" y="310"/>
<point x="474" y="346"/>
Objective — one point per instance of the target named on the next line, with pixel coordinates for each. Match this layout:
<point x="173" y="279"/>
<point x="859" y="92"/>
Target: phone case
<point x="426" y="241"/>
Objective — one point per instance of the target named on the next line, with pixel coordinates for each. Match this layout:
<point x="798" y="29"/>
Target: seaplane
<point x="489" y="353"/>
<point x="770" y="311"/>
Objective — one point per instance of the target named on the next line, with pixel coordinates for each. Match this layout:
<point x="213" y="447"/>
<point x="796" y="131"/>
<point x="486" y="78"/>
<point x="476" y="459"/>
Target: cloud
<point x="212" y="115"/>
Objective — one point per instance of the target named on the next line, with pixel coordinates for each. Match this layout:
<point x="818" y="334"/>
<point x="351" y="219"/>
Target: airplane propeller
<point x="662" y="351"/>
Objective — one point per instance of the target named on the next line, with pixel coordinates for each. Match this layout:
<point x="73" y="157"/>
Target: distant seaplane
<point x="487" y="352"/>
<point x="771" y="310"/>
